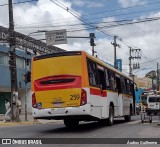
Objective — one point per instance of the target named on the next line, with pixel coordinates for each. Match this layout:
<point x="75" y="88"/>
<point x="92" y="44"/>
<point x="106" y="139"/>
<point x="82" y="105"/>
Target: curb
<point x="14" y="123"/>
<point x="27" y="123"/>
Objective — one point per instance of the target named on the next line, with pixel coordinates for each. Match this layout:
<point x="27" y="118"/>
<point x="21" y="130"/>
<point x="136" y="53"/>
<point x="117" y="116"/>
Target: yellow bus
<point x="74" y="86"/>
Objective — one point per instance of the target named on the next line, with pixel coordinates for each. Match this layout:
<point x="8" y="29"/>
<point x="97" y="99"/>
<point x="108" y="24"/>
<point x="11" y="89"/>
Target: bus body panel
<point x="127" y="100"/>
<point x="56" y="85"/>
<point x="57" y="66"/>
<point x="58" y="98"/>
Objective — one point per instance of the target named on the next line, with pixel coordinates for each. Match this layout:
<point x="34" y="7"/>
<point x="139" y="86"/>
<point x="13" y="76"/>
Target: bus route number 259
<point x="74" y="97"/>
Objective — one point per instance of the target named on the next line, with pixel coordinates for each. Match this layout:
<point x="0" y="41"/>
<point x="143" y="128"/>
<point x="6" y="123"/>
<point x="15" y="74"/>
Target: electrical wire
<point x="67" y="9"/>
<point x="120" y="9"/>
<point x="110" y="10"/>
<point x="106" y="16"/>
<point x="122" y="14"/>
<point x="19" y="2"/>
<point x="119" y="23"/>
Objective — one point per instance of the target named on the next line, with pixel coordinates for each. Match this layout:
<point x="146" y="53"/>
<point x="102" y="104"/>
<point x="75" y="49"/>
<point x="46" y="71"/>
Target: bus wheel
<point x="71" y="123"/>
<point x="128" y="117"/>
<point x="111" y="116"/>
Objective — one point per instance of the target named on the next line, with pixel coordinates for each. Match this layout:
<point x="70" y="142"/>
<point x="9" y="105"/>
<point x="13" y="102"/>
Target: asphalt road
<point x="121" y="129"/>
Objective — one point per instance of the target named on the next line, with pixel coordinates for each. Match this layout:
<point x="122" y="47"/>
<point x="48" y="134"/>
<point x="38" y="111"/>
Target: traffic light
<point x="92" y="36"/>
<point x="27" y="77"/>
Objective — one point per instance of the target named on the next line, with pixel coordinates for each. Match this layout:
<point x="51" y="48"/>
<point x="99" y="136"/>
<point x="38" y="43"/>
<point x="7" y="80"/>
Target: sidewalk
<point x="30" y="120"/>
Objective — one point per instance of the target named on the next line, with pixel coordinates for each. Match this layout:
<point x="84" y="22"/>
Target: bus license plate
<point x="57" y="104"/>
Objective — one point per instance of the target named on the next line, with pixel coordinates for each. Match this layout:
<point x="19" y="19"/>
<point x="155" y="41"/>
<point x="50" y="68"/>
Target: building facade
<point x="5" y="79"/>
<point x="144" y="83"/>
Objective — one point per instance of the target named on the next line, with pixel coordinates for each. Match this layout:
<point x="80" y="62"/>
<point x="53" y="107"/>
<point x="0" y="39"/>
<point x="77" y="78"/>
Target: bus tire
<point x="71" y="123"/>
<point x="128" y="117"/>
<point x="110" y="120"/>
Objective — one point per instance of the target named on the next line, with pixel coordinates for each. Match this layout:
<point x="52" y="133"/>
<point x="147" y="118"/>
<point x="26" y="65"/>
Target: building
<point x="5" y="79"/>
<point x="144" y="83"/>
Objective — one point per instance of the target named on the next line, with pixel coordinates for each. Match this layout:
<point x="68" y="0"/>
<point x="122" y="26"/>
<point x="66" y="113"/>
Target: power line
<point x="128" y="21"/>
<point x="19" y="2"/>
<point x="92" y="13"/>
<point x="151" y="67"/>
<point x="67" y="9"/>
<point x="105" y="16"/>
<point x="150" y="61"/>
<point x="120" y="9"/>
<point x="123" y="14"/>
<point x="101" y="27"/>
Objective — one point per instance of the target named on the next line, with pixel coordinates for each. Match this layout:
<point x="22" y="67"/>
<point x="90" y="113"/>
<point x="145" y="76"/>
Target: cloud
<point x="130" y="3"/>
<point x="4" y="13"/>
<point x="145" y="36"/>
<point x="88" y="4"/>
<point x="79" y="3"/>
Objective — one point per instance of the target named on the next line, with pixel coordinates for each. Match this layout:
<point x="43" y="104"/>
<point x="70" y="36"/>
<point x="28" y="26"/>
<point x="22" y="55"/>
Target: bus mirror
<point x="136" y="89"/>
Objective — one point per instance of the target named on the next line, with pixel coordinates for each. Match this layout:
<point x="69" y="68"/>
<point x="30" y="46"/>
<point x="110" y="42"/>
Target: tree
<point x="152" y="75"/>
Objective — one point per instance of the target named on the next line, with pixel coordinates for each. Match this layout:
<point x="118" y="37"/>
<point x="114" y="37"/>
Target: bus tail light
<point x="34" y="103"/>
<point x="83" y="97"/>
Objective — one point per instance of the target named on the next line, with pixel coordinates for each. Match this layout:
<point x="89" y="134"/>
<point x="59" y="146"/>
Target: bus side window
<point x="128" y="86"/>
<point x="112" y="80"/>
<point x="102" y="83"/>
<point x="92" y="73"/>
<point x="119" y="88"/>
<point x="123" y="84"/>
<point x="107" y="79"/>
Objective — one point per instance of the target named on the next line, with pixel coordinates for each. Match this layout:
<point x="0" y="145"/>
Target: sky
<point x="134" y="22"/>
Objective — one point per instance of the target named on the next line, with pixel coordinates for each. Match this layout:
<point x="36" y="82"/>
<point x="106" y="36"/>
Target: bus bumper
<point x="60" y="113"/>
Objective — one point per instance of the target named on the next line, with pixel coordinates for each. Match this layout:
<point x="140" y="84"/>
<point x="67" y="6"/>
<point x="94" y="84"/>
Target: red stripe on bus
<point x="98" y="92"/>
<point x="76" y="83"/>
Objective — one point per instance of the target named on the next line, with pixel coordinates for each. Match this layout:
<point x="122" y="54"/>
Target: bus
<point x="74" y="86"/>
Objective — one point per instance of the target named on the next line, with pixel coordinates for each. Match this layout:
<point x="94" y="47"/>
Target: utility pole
<point x="136" y="56"/>
<point x="115" y="52"/>
<point x="157" y="76"/>
<point x="130" y="66"/>
<point x="12" y="62"/>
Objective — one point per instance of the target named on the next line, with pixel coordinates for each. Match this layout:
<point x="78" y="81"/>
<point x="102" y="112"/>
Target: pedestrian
<point x="18" y="110"/>
<point x="7" y="116"/>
